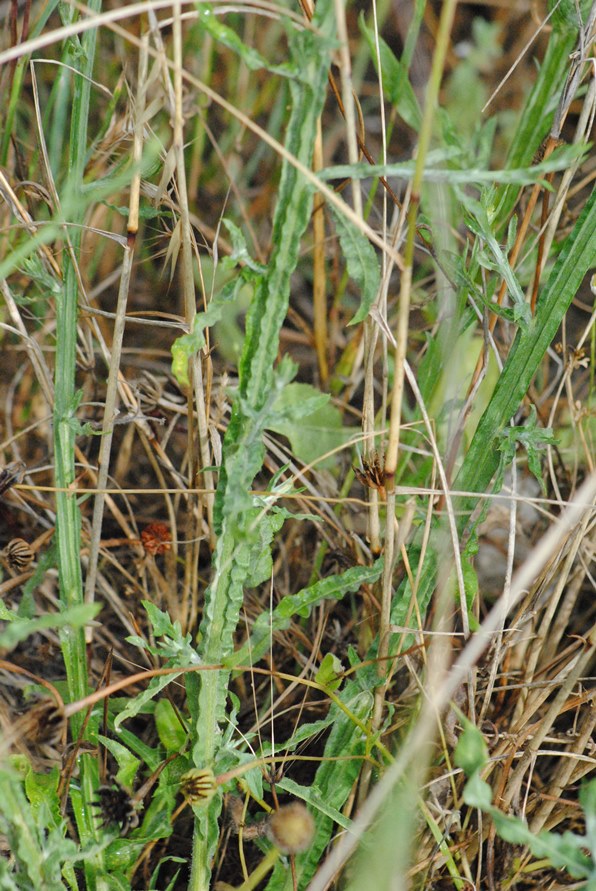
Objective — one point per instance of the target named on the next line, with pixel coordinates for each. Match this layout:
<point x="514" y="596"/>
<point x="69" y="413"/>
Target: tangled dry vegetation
<point x="146" y="189"/>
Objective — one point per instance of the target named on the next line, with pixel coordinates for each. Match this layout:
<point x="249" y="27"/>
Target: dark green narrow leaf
<point x="228" y="37"/>
<point x="575" y="260"/>
<point x="537" y="115"/>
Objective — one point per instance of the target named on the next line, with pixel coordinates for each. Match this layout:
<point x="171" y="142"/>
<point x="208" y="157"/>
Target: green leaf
<point x="471" y="752"/>
<point x="267" y="522"/>
<point x="564" y="850"/>
<point x="42" y="793"/>
<point x="243" y="451"/>
<point x="332" y="784"/>
<point x="128" y="764"/>
<point x="569" y="15"/>
<point x="253" y="60"/>
<point x="240" y="252"/>
<point x="173" y="644"/>
<point x="151" y="757"/>
<point x="311" y="795"/>
<point x="519" y="176"/>
<point x="329" y="672"/>
<point x="302" y="733"/>
<point x="533" y="439"/>
<point x="136" y="705"/>
<point x="72" y="617"/>
<point x="396" y="81"/>
<point x="478" y="220"/>
<point x="587" y="799"/>
<point x="6" y="614"/>
<point x="362" y="263"/>
<point x="536" y="117"/>
<point x="477" y="793"/>
<point x="528" y="350"/>
<point x="334" y="587"/>
<point x="171" y="732"/>
<point x="313" y="427"/>
<point x="187" y="346"/>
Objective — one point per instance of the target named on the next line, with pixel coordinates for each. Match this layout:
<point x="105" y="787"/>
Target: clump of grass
<point x="298" y="341"/>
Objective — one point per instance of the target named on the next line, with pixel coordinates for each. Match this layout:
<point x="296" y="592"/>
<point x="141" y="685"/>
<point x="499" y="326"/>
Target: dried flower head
<point x="11" y="474"/>
<point x="116" y="808"/>
<point x="291" y="828"/>
<point x="19" y="554"/>
<point x="372" y="474"/>
<point x="156" y="538"/>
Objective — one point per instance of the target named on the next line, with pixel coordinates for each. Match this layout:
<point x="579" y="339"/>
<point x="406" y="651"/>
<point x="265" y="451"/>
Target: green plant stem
<point x="238" y="547"/>
<point x="68" y="520"/>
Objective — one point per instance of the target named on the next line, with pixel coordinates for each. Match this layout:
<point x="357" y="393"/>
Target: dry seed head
<point x="11" y="474"/>
<point x="116" y="808"/>
<point x="198" y="785"/>
<point x="19" y="554"/>
<point x="156" y="538"/>
<point x="291" y="828"/>
<point x="372" y="474"/>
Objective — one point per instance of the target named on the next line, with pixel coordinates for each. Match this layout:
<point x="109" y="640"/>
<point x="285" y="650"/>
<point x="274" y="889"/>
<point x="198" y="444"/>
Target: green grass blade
<point x="537" y="115"/>
<point x="68" y="519"/>
<point x="17" y="84"/>
<point x="577" y="256"/>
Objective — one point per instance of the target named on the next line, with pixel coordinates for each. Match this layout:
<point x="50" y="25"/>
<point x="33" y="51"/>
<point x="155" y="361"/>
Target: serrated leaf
<point x="240" y="252"/>
<point x="300" y="604"/>
<point x="243" y="451"/>
<point x="361" y="260"/>
<point x="533" y="439"/>
<point x="268" y="523"/>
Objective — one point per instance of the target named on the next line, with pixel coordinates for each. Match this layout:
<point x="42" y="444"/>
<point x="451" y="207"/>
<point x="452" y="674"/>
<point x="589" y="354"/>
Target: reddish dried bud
<point x="156" y="538"/>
